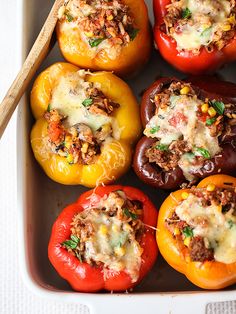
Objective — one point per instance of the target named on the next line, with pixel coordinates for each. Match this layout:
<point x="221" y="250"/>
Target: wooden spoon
<point x="37" y="54"/>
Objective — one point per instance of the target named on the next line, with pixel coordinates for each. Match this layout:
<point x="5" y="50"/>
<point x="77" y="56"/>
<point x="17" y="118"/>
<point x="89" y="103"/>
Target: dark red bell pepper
<point x="83" y="276"/>
<point x="205" y="87"/>
<point x="186" y="61"/>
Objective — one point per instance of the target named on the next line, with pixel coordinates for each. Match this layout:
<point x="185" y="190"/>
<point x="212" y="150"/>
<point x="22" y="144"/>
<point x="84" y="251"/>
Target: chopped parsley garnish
<point x="73" y="243"/>
<point x="162" y="147"/>
<point x="69" y="17"/>
<point x="154" y="129"/>
<point x="49" y="108"/>
<point x="186" y="13"/>
<point x="94" y="42"/>
<point x="87" y="102"/>
<point x="203" y="152"/>
<point x="129" y="214"/>
<point x="219" y="106"/>
<point x="188" y="232"/>
<point x="133" y="33"/>
<point x="230" y="223"/>
<point x="210" y="121"/>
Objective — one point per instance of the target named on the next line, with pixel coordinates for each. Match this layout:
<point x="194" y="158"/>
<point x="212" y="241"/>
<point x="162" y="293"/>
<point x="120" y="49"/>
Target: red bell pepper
<point x="186" y="61"/>
<point x="81" y="275"/>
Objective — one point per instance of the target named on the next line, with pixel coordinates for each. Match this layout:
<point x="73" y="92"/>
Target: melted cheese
<point x="207" y="17"/>
<point x="111" y="244"/>
<point x="67" y="98"/>
<point x="187" y="127"/>
<point x="216" y="229"/>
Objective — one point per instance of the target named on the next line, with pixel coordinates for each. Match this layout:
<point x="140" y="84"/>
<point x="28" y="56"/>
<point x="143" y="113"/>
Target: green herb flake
<point x="230" y="223"/>
<point x="129" y="214"/>
<point x="162" y="147"/>
<point x="49" y="108"/>
<point x="186" y="13"/>
<point x="133" y="33"/>
<point x="203" y="152"/>
<point x="71" y="244"/>
<point x="154" y="129"/>
<point x="210" y="121"/>
<point x="219" y="106"/>
<point x="188" y="232"/>
<point x="87" y="102"/>
<point x="69" y="17"/>
<point x="206" y="32"/>
<point x="94" y="42"/>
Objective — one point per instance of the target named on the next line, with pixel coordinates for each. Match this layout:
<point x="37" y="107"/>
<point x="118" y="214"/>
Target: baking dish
<point x="40" y="200"/>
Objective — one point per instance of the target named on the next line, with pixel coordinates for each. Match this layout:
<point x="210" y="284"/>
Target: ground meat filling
<point x="201" y="23"/>
<point x="102" y="20"/>
<point x="204" y="224"/>
<point x="79" y="143"/>
<point x="109" y="235"/>
<point x="186" y="128"/>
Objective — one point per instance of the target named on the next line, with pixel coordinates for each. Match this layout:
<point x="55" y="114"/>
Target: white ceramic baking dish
<point x="40" y="200"/>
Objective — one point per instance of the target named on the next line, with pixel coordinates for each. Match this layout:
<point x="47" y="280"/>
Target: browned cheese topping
<point x="109" y="235"/>
<point x="204" y="224"/>
<point x="187" y="129"/>
<point x="201" y="23"/>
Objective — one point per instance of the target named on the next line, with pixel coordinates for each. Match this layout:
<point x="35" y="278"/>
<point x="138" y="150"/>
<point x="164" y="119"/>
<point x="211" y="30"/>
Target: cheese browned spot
<point x="109" y="235"/>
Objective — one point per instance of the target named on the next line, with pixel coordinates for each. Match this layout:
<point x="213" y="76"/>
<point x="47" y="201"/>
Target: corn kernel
<point x="187" y="241"/>
<point x="211" y="112"/>
<point x="84" y="148"/>
<point x="110" y="17"/>
<point x="185" y="90"/>
<point x="176" y="231"/>
<point x="89" y="34"/>
<point x="119" y="251"/>
<point x="226" y="27"/>
<point x="204" y="108"/>
<point x="70" y="158"/>
<point x="115" y="228"/>
<point x="211" y="187"/>
<point x="185" y="195"/>
<point x="106" y="127"/>
<point x="103" y="229"/>
<point x="219" y="208"/>
<point x="68" y="141"/>
<point x="231" y="19"/>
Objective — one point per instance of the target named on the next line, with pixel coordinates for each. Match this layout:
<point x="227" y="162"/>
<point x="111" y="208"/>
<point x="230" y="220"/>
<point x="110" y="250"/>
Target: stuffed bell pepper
<point x="190" y="132"/>
<point x="83" y="133"/>
<point x="196" y="36"/>
<point x="197" y="232"/>
<point x="105" y="240"/>
<point x="105" y="34"/>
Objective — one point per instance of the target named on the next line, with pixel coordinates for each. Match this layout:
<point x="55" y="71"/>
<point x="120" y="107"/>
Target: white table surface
<point x="15" y="298"/>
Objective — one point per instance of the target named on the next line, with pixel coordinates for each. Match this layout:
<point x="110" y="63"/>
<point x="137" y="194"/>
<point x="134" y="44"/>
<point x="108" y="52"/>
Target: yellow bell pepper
<point x="115" y="156"/>
<point x="132" y="56"/>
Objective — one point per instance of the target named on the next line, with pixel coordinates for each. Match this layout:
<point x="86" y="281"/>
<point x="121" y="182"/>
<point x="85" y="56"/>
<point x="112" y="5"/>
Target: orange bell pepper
<point x="208" y="274"/>
<point x="115" y="156"/>
<point x="128" y="61"/>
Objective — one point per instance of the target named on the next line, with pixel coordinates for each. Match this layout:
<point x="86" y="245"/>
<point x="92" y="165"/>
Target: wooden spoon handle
<point x="37" y="54"/>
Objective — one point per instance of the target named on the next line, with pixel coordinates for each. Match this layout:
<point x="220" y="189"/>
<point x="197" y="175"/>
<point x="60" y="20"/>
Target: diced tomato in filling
<point x="177" y="119"/>
<point x="55" y="131"/>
